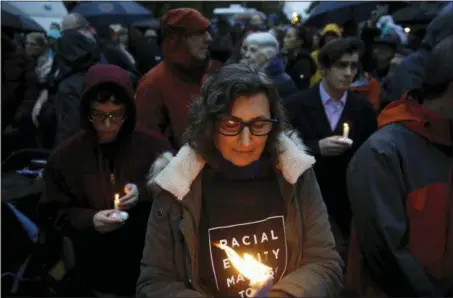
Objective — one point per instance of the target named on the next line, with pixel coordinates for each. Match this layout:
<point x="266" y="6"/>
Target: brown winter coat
<point x="170" y="258"/>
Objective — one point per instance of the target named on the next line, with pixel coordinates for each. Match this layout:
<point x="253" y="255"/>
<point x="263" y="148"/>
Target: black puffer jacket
<point x="76" y="53"/>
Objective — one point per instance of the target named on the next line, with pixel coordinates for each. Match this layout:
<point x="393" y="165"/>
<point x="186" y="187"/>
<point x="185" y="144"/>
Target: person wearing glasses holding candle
<point x="334" y="122"/>
<point x="109" y="158"/>
<point x="241" y="181"/>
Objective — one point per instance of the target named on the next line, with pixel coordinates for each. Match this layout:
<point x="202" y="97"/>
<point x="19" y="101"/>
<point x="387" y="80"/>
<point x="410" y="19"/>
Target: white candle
<point x="116" y="201"/>
<point x="345" y="130"/>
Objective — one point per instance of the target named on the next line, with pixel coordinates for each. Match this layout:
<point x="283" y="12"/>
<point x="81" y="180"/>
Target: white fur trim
<point x="176" y="174"/>
<point x="293" y="161"/>
<point x="180" y="172"/>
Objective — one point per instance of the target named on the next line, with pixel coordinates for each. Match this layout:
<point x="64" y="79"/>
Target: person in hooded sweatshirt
<point x="401" y="192"/>
<point x="76" y="52"/>
<point x="262" y="51"/>
<point x="164" y="93"/>
<point x="109" y="156"/>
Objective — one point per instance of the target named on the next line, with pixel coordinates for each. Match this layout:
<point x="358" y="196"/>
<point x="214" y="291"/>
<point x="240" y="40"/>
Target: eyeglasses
<point x="257" y="127"/>
<point x="114" y="117"/>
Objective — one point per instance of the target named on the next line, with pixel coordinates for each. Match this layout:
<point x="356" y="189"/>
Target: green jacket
<point x="169" y="265"/>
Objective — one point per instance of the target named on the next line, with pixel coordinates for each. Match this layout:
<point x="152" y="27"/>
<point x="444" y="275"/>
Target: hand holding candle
<point x="260" y="275"/>
<point x="130" y="199"/>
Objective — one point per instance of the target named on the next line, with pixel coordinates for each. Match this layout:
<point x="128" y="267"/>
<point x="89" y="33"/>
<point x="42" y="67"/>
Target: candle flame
<point x="116" y="201"/>
<point x="248" y="266"/>
<point x="345" y="130"/>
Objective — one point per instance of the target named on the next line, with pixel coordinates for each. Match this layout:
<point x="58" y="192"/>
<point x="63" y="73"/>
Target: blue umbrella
<point x="339" y="12"/>
<point x="14" y="18"/>
<point x="147" y="24"/>
<point x="112" y="12"/>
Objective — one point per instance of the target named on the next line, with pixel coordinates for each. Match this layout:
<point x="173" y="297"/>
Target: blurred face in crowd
<point x="255" y="55"/>
<point x="242" y="147"/>
<point x="198" y="45"/>
<point x="329" y="36"/>
<point x="107" y="118"/>
<point x="291" y="42"/>
<point x="383" y="54"/>
<point x="256" y="21"/>
<point x="315" y="41"/>
<point x="33" y="48"/>
<point x="341" y="74"/>
<point x="123" y="36"/>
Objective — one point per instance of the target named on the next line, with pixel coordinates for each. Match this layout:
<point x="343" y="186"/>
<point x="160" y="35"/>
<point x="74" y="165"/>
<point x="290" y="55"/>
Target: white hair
<point x="263" y="39"/>
<point x="266" y="41"/>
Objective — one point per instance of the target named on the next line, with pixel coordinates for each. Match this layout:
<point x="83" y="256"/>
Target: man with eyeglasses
<point x="110" y="157"/>
<point x="321" y="113"/>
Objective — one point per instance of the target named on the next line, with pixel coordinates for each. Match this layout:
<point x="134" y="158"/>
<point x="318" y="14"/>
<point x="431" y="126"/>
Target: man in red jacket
<point x="84" y="174"/>
<point x="165" y="92"/>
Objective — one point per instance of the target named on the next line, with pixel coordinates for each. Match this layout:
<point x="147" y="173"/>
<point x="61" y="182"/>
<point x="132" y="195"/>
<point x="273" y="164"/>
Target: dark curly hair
<point x="218" y="94"/>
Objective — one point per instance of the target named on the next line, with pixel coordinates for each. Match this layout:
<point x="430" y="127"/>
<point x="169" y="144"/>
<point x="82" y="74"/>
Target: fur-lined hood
<point x="175" y="174"/>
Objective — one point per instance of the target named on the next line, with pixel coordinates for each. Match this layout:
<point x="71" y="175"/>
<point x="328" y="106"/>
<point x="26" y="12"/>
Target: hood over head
<point x="432" y="126"/>
<point x="114" y="78"/>
<point x="176" y="25"/>
<point x="76" y="53"/>
<point x="331" y="28"/>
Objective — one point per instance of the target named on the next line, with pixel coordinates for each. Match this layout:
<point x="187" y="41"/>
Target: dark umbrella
<point x="339" y="12"/>
<point x="147" y="24"/>
<point x="418" y="12"/>
<point x="16" y="19"/>
<point x="112" y="12"/>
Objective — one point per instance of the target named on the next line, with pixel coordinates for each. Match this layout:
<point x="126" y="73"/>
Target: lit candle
<point x="116" y="201"/>
<point x="260" y="275"/>
<point x="345" y="130"/>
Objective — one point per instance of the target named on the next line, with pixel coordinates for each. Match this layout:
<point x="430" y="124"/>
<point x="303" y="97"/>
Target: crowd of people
<point x="326" y="155"/>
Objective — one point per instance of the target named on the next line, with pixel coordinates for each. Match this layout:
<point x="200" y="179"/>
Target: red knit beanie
<point x="185" y="21"/>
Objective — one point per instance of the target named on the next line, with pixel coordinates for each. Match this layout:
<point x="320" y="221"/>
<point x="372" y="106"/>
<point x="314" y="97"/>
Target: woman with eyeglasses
<point x="240" y="182"/>
<point x="109" y="158"/>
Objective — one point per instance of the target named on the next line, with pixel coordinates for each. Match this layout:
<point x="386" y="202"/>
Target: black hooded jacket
<point x="79" y="182"/>
<point x="75" y="54"/>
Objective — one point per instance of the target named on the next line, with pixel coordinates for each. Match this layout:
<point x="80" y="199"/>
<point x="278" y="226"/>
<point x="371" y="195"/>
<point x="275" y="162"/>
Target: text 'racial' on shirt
<point x="265" y="240"/>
